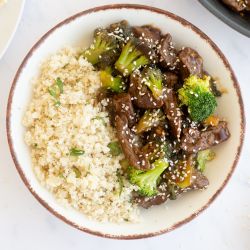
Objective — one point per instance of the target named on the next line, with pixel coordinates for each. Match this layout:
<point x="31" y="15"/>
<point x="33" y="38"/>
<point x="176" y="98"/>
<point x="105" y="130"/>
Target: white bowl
<point x="10" y="16"/>
<point x="77" y="31"/>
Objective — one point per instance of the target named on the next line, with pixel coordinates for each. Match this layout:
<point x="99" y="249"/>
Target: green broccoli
<point x="131" y="58"/>
<point x="102" y="43"/>
<point x="196" y="94"/>
<point x="204" y="156"/>
<point x="147" y="180"/>
<point x="114" y="83"/>
<point x="151" y="118"/>
<point x="153" y="79"/>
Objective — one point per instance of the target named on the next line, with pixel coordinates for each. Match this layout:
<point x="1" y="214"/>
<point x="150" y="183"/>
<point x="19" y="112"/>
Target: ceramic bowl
<point x="77" y="31"/>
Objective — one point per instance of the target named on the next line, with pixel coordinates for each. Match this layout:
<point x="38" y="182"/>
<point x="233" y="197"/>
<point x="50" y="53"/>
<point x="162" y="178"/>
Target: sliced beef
<point x="147" y="33"/>
<point x="127" y="140"/>
<point x="191" y="63"/>
<point x="148" y="37"/>
<point x="167" y="53"/>
<point x="235" y="5"/>
<point x="173" y="112"/>
<point x="170" y="79"/>
<point x="194" y="140"/>
<point x="141" y="95"/>
<point x="123" y="106"/>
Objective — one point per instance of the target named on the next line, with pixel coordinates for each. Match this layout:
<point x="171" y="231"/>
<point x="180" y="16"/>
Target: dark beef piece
<point x="194" y="140"/>
<point x="132" y="153"/>
<point x="191" y="63"/>
<point x="123" y="106"/>
<point x="146" y="50"/>
<point x="170" y="79"/>
<point x="167" y="53"/>
<point x="173" y="112"/>
<point x="147" y="33"/>
<point x="169" y="191"/>
<point x="141" y="95"/>
<point x="148" y="38"/>
<point x="199" y="181"/>
<point x="235" y="5"/>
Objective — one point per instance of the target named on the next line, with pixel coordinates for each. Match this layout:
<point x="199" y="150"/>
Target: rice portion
<point x="89" y="182"/>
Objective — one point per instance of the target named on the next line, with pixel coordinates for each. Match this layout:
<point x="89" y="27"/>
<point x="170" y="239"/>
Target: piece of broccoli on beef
<point x="147" y="181"/>
<point x="197" y="96"/>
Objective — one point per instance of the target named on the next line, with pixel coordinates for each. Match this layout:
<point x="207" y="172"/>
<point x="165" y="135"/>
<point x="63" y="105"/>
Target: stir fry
<point x="162" y="105"/>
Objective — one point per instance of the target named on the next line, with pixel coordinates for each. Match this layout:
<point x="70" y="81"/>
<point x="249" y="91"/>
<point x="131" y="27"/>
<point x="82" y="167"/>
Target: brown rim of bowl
<point x="184" y="23"/>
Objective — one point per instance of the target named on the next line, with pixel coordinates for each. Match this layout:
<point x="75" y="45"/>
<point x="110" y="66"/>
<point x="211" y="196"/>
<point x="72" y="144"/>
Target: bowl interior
<point x="78" y="32"/>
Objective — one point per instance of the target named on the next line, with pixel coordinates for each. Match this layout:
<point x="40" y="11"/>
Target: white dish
<point x="10" y="15"/>
<point x="77" y="31"/>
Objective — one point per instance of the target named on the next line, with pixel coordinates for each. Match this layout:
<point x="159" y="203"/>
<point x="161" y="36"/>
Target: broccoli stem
<point x="108" y="81"/>
<point x="130" y="59"/>
<point x="154" y="82"/>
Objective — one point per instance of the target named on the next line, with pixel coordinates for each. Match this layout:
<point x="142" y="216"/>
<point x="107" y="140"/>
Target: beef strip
<point x="126" y="138"/>
<point x="191" y="63"/>
<point x="170" y="79"/>
<point x="173" y="112"/>
<point x="236" y="5"/>
<point x="149" y="37"/>
<point x="194" y="140"/>
<point x="167" y="53"/>
<point x="141" y="95"/>
<point x="123" y="106"/>
<point x="168" y="191"/>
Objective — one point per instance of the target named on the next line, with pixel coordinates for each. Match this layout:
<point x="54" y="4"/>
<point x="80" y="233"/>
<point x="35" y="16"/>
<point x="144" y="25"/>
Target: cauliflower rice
<point x="78" y="122"/>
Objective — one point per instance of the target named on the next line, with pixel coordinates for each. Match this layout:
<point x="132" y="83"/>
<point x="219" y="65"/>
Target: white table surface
<point x="26" y="225"/>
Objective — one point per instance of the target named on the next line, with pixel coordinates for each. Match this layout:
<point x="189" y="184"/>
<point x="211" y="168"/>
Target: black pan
<point x="233" y="19"/>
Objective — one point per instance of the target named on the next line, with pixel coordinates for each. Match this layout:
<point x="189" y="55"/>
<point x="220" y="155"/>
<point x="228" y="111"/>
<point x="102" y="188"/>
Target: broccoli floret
<point x="203" y="157"/>
<point x="147" y="180"/>
<point x="114" y="83"/>
<point x="151" y="118"/>
<point x="196" y="94"/>
<point x="102" y="43"/>
<point x="153" y="79"/>
<point x="131" y="58"/>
